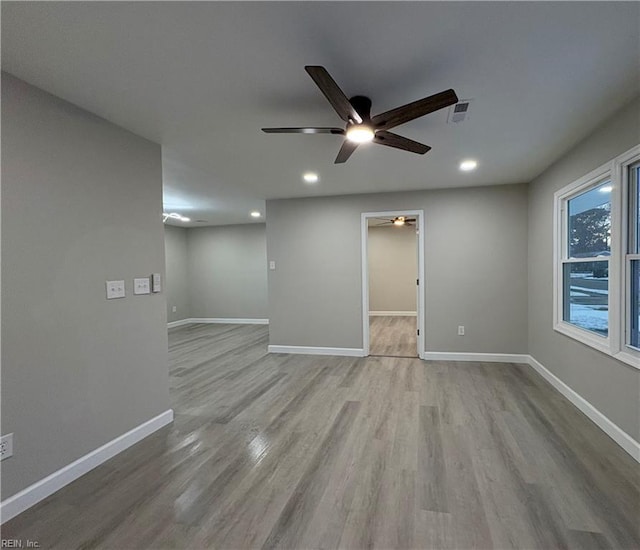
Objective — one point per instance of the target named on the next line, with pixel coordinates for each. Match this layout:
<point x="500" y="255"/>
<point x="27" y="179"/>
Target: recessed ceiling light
<point x="310" y="177"/>
<point x="255" y="214"/>
<point x="175" y="216"/>
<point x="606" y="189"/>
<point x="360" y="133"/>
<point x="468" y="165"/>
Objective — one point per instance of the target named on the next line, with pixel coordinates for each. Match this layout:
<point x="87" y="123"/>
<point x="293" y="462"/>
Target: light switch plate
<point x="272" y="265"/>
<point x="141" y="285"/>
<point x="115" y="289"/>
<point x="156" y="282"/>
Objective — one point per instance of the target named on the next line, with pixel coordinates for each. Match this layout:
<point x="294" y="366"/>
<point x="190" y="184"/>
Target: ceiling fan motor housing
<point x="362" y="105"/>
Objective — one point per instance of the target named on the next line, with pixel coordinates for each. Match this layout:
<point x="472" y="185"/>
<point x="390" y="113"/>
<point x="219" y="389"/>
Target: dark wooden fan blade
<point x="348" y="147"/>
<point x="337" y="131"/>
<point x="383" y="137"/>
<point x="333" y="93"/>
<point x="411" y="111"/>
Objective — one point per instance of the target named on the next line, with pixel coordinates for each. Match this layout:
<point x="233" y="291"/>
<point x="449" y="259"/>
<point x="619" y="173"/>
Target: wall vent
<point x="459" y="111"/>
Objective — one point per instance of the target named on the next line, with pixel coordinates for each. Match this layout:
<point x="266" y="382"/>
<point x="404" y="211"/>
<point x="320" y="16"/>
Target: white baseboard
<point x="40" y="490"/>
<point x="392" y="313"/>
<point x="229" y="321"/>
<point x="179" y="323"/>
<point x="485" y="357"/>
<point x="349" y="352"/>
<point x="616" y="433"/>
<point x="221" y="320"/>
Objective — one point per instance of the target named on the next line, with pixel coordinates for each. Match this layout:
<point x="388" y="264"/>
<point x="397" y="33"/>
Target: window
<point x="586" y="261"/>
<point x="597" y="259"/>
<point x="632" y="266"/>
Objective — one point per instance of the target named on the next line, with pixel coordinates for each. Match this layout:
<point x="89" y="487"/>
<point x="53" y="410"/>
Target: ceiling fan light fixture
<point x="399" y="220"/>
<point x="360" y="133"/>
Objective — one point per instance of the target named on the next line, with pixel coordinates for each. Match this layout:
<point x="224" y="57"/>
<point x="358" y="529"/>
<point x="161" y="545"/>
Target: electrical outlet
<point x="6" y="446"/>
<point x="461" y="330"/>
<point x="174" y="309"/>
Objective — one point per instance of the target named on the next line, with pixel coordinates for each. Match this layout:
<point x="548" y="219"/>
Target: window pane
<point x="635" y="304"/>
<point x="634" y="210"/>
<point x="586" y="295"/>
<point x="589" y="223"/>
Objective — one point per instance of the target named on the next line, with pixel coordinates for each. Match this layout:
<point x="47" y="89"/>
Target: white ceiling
<point x="203" y="78"/>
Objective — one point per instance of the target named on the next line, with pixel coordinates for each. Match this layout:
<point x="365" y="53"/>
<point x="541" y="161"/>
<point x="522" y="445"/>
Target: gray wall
<point x="176" y="284"/>
<point x="393" y="268"/>
<point x="611" y="386"/>
<point x="81" y="204"/>
<point x="228" y="271"/>
<point x="475" y="268"/>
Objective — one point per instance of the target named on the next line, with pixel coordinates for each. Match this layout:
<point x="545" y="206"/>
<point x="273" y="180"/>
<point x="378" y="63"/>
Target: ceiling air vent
<point x="459" y="111"/>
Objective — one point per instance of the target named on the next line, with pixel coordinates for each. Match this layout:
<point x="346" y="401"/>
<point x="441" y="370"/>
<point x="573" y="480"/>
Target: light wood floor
<point x="324" y="452"/>
<point x="393" y="336"/>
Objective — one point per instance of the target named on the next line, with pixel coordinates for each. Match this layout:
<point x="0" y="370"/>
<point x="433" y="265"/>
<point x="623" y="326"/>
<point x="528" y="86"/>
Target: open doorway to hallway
<point x="392" y="262"/>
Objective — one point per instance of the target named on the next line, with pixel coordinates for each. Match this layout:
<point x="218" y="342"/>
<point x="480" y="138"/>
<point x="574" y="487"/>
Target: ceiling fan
<point x="360" y="126"/>
<point x="398" y="220"/>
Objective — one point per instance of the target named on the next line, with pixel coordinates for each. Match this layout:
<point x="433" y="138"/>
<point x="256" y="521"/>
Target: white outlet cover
<point x="115" y="289"/>
<point x="141" y="286"/>
<point x="6" y="446"/>
<point x="272" y="265"/>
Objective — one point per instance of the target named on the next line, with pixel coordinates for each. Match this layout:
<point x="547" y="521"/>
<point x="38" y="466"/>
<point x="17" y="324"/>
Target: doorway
<point x="393" y="283"/>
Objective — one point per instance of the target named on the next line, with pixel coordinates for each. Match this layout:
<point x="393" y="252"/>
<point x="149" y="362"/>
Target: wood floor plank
<point x="291" y="451"/>
<point x="393" y="336"/>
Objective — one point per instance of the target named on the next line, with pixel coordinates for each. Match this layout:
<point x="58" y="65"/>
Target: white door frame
<point x="419" y="214"/>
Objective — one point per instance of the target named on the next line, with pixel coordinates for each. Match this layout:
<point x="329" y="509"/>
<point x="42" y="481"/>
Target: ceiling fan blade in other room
<point x="383" y="137"/>
<point x="336" y="131"/>
<point x="411" y="111"/>
<point x="348" y="147"/>
<point x="333" y="93"/>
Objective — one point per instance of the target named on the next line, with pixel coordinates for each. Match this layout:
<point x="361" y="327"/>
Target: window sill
<point x="598" y="343"/>
<point x="628" y="358"/>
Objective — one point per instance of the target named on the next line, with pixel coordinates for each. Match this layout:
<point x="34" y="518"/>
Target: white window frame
<point x="615" y="344"/>
<point x="622" y="164"/>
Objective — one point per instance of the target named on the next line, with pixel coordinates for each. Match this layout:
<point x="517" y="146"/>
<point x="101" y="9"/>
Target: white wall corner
<point x="616" y="433"/>
<point x="40" y="490"/>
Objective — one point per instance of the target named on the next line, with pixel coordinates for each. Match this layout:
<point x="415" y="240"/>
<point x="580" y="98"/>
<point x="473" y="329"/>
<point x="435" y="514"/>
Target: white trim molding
<point x="229" y="321"/>
<point x="220" y="320"/>
<point x="616" y="433"/>
<point x="393" y="313"/>
<point x="179" y="323"/>
<point x="481" y="357"/>
<point x="364" y="269"/>
<point x="310" y="350"/>
<point x="40" y="490"/>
